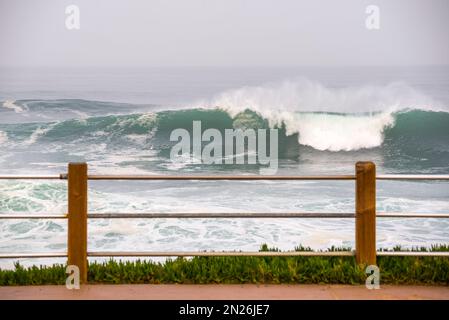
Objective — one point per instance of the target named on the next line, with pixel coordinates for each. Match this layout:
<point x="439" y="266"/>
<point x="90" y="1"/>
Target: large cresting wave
<point x="308" y="114"/>
<point x="320" y="131"/>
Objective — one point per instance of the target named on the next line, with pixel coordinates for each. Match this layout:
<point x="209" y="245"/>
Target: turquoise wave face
<point x="418" y="140"/>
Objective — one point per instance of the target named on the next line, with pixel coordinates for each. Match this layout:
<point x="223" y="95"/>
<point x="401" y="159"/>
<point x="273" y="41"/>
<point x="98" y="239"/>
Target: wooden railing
<point x="365" y="215"/>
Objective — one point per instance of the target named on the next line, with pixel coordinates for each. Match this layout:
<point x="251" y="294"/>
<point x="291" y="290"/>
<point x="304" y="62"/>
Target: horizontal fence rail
<point x="233" y="215"/>
<point x="34" y="177"/>
<point x="218" y="178"/>
<point x="220" y="254"/>
<point x="226" y="253"/>
<point x="412" y="254"/>
<point x="250" y="178"/>
<point x="33" y="255"/>
<point x="365" y="215"/>
<point x="434" y="177"/>
<point x="413" y="215"/>
<point x="33" y="216"/>
<point x="218" y="215"/>
<point x="64" y="176"/>
<point x="262" y="254"/>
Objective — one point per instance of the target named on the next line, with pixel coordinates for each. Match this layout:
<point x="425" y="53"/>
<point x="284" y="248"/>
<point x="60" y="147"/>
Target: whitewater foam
<point x="307" y="96"/>
<point x="10" y="104"/>
<point x="3" y="137"/>
<point x="340" y="132"/>
<point x="363" y="112"/>
<point x="39" y="132"/>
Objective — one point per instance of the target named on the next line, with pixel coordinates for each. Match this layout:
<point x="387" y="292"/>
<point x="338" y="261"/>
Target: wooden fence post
<point x="77" y="218"/>
<point x="365" y="207"/>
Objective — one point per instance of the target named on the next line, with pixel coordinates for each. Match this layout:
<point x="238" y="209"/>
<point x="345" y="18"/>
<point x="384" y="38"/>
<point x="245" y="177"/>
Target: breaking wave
<point x="319" y="130"/>
<point x="368" y="117"/>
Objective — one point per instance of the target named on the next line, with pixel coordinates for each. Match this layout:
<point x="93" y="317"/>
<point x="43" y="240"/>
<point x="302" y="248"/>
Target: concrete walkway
<point x="225" y="292"/>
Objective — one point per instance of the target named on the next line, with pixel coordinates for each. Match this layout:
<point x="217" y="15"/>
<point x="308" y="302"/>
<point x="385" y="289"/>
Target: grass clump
<point x="241" y="269"/>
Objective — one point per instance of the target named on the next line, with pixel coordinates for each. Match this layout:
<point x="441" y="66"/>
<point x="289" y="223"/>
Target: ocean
<point x="120" y="120"/>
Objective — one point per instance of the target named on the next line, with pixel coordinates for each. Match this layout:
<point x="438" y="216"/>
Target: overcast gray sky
<point x="223" y="33"/>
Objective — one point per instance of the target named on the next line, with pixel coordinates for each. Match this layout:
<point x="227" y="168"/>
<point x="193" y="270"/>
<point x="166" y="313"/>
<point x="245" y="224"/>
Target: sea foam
<point x="10" y="104"/>
<point x="3" y="137"/>
<point x="334" y="119"/>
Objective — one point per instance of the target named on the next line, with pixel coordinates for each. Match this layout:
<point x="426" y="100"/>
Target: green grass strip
<point x="240" y="269"/>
